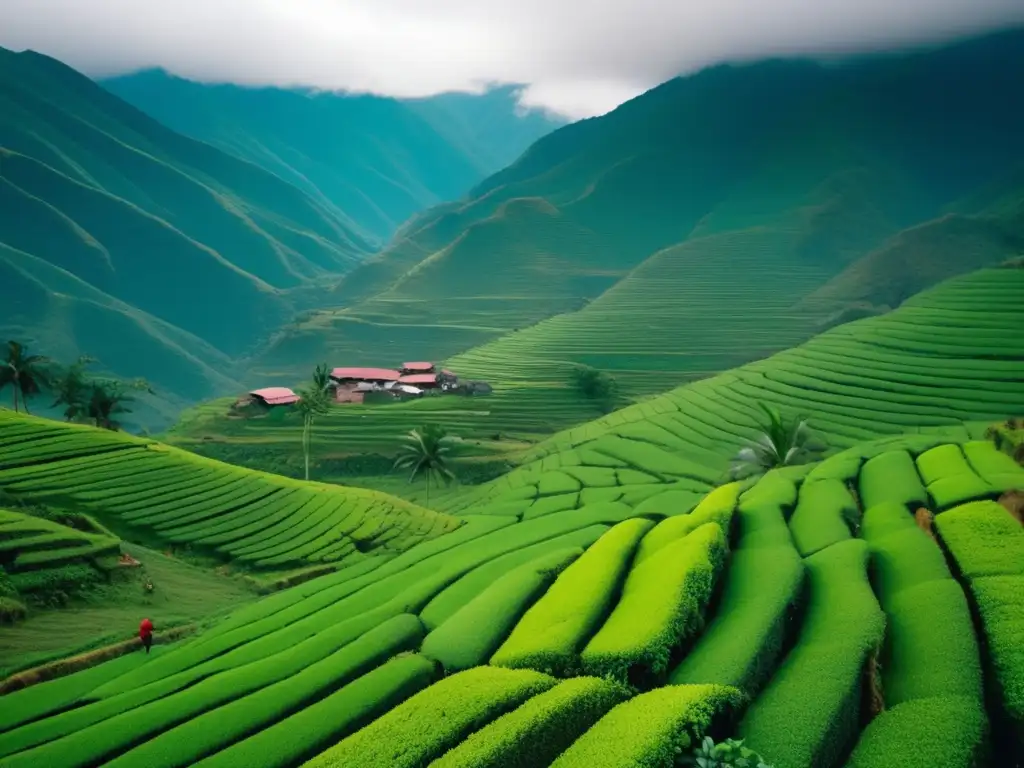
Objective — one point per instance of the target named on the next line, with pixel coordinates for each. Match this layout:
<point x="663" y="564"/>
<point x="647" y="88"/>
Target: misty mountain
<point x="373" y="161"/>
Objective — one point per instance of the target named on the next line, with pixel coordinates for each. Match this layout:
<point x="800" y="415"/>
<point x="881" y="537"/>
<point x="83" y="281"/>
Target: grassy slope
<point x="90" y="183"/>
<point x="918" y="365"/>
<point x="154" y="493"/>
<point x="807" y="169"/>
<point x="950" y="354"/>
<point x="111" y="611"/>
<point x="979" y="231"/>
<point x="289" y="669"/>
<point x="292" y="675"/>
<point x="375" y="160"/>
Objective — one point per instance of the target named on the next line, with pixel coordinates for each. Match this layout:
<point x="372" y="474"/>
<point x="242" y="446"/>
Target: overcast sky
<point x="576" y="57"/>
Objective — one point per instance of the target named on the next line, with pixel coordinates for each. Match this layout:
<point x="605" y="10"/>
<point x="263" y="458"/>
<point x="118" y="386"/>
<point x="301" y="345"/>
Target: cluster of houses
<point x="351" y="385"/>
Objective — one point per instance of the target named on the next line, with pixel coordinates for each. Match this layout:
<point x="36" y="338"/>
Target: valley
<point x="711" y="452"/>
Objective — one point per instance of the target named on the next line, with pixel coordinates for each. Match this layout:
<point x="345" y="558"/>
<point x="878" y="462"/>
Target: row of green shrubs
<point x="931" y="670"/>
<point x="987" y="544"/>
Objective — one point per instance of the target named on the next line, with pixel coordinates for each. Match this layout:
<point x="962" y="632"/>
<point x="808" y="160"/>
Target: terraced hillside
<point x="37" y="553"/>
<point x="810" y="612"/>
<point x="949" y="354"/>
<point x="146" y="489"/>
<point x="806" y="168"/>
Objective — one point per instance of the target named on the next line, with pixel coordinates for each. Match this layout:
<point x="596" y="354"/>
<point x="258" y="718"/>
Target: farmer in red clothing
<point x="146" y="633"/>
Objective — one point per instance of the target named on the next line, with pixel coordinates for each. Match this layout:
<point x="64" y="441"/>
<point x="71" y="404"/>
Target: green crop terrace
<point x="257" y="518"/>
<point x="609" y="602"/>
<point x="807" y="612"/>
<point x="915" y="366"/>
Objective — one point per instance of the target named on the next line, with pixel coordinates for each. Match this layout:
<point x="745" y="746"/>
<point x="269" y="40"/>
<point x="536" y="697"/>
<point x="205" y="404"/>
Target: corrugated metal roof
<point x="417" y="366"/>
<point x="276" y="395"/>
<point x="369" y="374"/>
<point x="419" y="378"/>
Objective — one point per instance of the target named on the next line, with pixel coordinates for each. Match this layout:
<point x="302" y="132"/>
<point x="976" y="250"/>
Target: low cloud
<point x="574" y="57"/>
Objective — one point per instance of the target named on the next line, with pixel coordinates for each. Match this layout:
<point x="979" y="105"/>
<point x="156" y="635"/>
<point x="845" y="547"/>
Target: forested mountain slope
<point x="116" y="231"/>
<point x="374" y="161"/>
<point x="788" y="165"/>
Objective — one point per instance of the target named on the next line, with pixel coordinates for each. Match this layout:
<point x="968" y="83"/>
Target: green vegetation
<point x="662" y="604"/>
<point x="810" y="712"/>
<point x="783" y="443"/>
<point x="554" y="631"/>
<point x="251" y="220"/>
<point x="436" y="719"/>
<point x="81" y="608"/>
<point x="317" y="727"/>
<point x="313" y="401"/>
<point x="426" y="452"/>
<point x="652" y="728"/>
<point x="745" y="639"/>
<point x="25" y="374"/>
<point x="475" y="631"/>
<point x="539" y="730"/>
<point x="944" y="731"/>
<point x="161" y="494"/>
<point x="650" y="250"/>
<point x="987" y="545"/>
<point x="823" y="516"/>
<point x="379" y="160"/>
<point x="616" y="597"/>
<point x="726" y="754"/>
<point x="43" y="563"/>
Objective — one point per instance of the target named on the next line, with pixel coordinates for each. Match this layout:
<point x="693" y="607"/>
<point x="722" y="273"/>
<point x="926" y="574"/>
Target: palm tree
<point x="108" y="398"/>
<point x="72" y="389"/>
<point x="27" y="374"/>
<point x="425" y="452"/>
<point x="313" y="402"/>
<point x="322" y="377"/>
<point x="781" y="443"/>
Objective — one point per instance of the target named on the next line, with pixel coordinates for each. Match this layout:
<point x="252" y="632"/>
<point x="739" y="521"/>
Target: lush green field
<point x="150" y="491"/>
<point x="101" y="611"/>
<point x="797" y="651"/>
<point x="610" y="601"/>
<point x="947" y="355"/>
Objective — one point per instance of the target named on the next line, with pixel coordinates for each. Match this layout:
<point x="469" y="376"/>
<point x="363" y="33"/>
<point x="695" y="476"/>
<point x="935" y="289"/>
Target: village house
<point x="272" y="396"/>
<point x="352" y="384"/>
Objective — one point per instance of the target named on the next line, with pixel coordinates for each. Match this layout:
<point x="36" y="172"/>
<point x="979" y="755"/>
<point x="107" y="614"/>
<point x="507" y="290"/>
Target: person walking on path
<point x="146" y="633"/>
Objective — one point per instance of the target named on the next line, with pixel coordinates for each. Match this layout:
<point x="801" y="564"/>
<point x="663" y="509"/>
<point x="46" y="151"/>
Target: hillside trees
<point x="595" y="385"/>
<point x="84" y="397"/>
<point x="26" y="374"/>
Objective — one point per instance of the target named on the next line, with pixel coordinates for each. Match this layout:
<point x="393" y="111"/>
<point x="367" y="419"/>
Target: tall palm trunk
<point x="306" y="441"/>
<point x="14" y="387"/>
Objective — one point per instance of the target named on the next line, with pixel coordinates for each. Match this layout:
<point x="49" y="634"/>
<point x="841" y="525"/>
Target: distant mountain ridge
<point x="375" y="160"/>
<point x="169" y="258"/>
<point x="108" y="218"/>
<point x="775" y="167"/>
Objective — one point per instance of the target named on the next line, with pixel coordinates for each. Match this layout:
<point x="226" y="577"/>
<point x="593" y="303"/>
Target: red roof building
<point x="418" y="367"/>
<point x="365" y="374"/>
<point x="420" y="379"/>
<point x="275" y="395"/>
